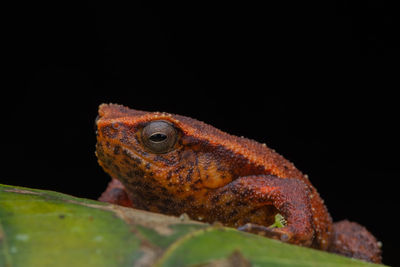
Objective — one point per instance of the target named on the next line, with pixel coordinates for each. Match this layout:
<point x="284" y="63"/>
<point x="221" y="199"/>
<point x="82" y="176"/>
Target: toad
<point x="174" y="164"/>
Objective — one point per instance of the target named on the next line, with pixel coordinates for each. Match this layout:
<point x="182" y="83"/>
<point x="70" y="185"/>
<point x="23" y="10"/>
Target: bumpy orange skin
<point x="210" y="175"/>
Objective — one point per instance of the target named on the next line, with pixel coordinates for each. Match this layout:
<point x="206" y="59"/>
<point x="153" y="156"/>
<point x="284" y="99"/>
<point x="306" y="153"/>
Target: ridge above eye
<point x="159" y="136"/>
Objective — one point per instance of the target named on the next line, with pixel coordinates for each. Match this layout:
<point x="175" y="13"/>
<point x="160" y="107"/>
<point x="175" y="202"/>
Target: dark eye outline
<point x="160" y="129"/>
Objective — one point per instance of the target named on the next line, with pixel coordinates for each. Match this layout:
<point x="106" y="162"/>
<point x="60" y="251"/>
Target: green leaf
<point x="44" y="228"/>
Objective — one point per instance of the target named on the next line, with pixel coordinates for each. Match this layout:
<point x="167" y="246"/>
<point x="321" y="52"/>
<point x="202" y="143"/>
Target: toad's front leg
<point x="116" y="194"/>
<point x="253" y="202"/>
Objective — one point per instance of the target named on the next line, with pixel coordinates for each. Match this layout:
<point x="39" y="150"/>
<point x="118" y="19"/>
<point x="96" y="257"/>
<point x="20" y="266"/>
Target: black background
<point x="313" y="80"/>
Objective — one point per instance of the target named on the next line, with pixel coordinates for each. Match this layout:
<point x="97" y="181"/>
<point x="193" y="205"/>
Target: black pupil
<point x="158" y="137"/>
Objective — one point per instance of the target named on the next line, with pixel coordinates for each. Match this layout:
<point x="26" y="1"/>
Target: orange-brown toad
<point x="174" y="164"/>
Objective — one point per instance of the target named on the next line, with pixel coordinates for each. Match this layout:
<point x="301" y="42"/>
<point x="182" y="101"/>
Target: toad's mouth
<point x="136" y="156"/>
<point x="140" y="159"/>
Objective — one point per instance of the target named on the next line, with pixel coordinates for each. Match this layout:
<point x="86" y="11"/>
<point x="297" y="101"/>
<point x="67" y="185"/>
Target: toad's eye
<point x="159" y="136"/>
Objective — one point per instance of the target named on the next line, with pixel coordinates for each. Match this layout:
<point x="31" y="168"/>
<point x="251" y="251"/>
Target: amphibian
<point x="173" y="164"/>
